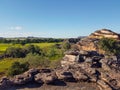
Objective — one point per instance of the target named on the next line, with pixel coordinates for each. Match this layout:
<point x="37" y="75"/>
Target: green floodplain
<point x="6" y="63"/>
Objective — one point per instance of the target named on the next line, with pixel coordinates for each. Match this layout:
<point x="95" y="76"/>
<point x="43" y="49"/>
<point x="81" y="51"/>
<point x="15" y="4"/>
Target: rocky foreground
<point x="81" y="69"/>
<point x="76" y="66"/>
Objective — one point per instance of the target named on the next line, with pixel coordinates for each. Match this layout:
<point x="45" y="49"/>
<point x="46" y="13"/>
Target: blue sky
<point x="57" y="18"/>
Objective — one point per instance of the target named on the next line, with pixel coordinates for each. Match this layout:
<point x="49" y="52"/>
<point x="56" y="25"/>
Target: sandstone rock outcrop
<point x="105" y="33"/>
<point x="95" y="67"/>
<point x="90" y="43"/>
<point x="45" y="77"/>
<point x="63" y="74"/>
<point x="25" y="77"/>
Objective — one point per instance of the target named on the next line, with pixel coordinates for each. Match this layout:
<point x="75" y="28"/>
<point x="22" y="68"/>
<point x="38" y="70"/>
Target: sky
<point x="57" y="18"/>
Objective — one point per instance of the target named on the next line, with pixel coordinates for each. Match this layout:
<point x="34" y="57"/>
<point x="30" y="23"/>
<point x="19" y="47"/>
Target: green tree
<point x="18" y="68"/>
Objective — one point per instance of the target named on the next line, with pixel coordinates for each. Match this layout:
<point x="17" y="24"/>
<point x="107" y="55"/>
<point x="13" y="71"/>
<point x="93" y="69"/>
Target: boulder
<point x="87" y="44"/>
<point x="80" y="76"/>
<point x="69" y="60"/>
<point x="47" y="78"/>
<point x="64" y="75"/>
<point x="22" y="79"/>
<point x="5" y="82"/>
<point x="38" y="78"/>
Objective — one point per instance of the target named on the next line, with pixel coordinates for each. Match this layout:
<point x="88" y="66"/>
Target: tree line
<point x="30" y="40"/>
<point x="36" y="40"/>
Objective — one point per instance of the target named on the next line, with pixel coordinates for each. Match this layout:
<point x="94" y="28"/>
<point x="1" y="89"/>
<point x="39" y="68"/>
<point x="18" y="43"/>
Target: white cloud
<point x="16" y="28"/>
<point x="15" y="34"/>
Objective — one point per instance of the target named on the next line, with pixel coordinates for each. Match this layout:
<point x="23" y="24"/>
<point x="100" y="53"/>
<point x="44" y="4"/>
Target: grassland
<point x="6" y="63"/>
<point x="43" y="45"/>
<point x="3" y="46"/>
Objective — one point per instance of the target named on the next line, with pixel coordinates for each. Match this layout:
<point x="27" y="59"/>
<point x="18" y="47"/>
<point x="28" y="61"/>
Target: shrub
<point x="55" y="64"/>
<point x="51" y="52"/>
<point x="66" y="45"/>
<point x="32" y="49"/>
<point x="110" y="46"/>
<point x="18" y="68"/>
<point x="37" y="61"/>
<point x="17" y="52"/>
<point x="14" y="52"/>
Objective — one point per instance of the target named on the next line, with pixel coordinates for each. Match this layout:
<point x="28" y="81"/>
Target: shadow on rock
<point x="59" y="83"/>
<point x="28" y="85"/>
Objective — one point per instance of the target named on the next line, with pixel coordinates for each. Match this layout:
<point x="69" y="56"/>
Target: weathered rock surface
<point x="21" y="79"/>
<point x="64" y="74"/>
<point x="47" y="78"/>
<point x="25" y="77"/>
<point x="5" y="82"/>
<point x="105" y="33"/>
<point x="90" y="43"/>
<point x="94" y="68"/>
